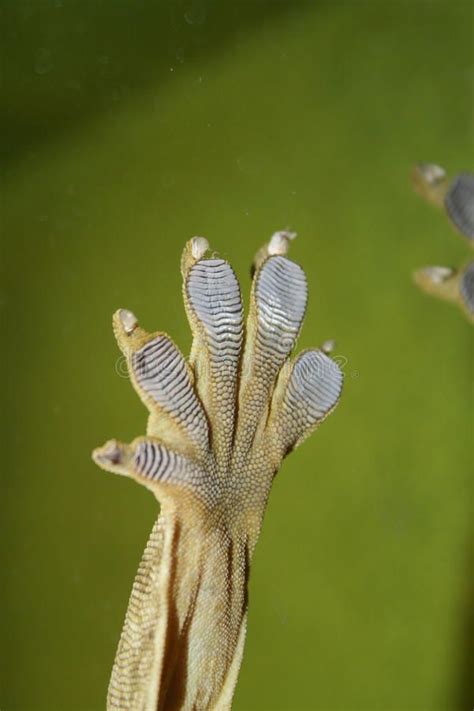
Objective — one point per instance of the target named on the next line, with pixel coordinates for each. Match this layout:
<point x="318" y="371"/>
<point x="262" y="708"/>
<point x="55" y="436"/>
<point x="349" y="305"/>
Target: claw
<point x="113" y="456"/>
<point x="194" y="250"/>
<point x="437" y="281"/>
<point x="279" y="244"/>
<point x="328" y="346"/>
<point x="129" y="335"/>
<point x="128" y="320"/>
<point x="199" y="247"/>
<point x="433" y="275"/>
<point x="429" y="181"/>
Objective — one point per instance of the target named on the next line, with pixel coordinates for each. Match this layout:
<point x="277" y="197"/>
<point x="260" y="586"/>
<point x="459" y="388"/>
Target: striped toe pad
<point x="312" y="392"/>
<point x="280" y="302"/>
<point x="459" y="203"/>
<point x="215" y="311"/>
<point x="158" y="465"/>
<point x="162" y="378"/>
<point x="214" y="297"/>
<point x="277" y="309"/>
<point x="466" y="288"/>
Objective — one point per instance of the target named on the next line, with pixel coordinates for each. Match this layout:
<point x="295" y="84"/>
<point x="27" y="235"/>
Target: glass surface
<point x="129" y="127"/>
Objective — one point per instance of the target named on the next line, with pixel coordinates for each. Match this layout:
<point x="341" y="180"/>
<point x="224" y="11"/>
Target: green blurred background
<point x="129" y="126"/>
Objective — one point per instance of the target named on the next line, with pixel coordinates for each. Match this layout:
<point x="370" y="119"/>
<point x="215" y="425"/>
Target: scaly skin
<point x="218" y="430"/>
